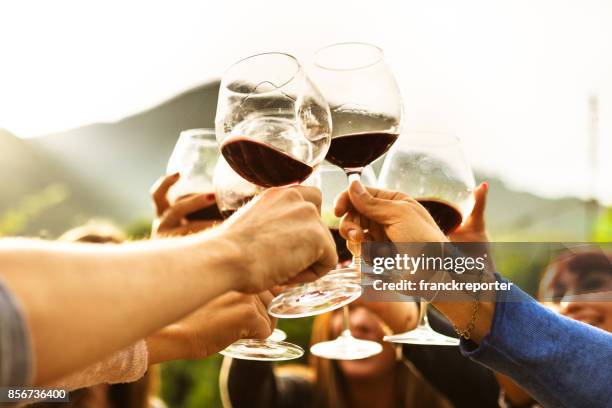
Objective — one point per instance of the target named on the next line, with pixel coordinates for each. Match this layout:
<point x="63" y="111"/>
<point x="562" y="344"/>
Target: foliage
<point x="603" y="228"/>
<point x="16" y="220"/>
<point x="195" y="384"/>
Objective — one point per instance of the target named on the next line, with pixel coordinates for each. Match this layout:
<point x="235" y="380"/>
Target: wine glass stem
<point x="423" y="320"/>
<point x="355" y="247"/>
<point x="346" y="331"/>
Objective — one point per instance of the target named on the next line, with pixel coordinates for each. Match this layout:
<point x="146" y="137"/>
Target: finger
<point x="306" y="276"/>
<point x="351" y="230"/>
<point x="366" y="204"/>
<point x="266" y="298"/>
<point x="310" y="194"/>
<point x="342" y="204"/>
<point x="181" y="208"/>
<point x="159" y="192"/>
<point x="476" y="219"/>
<point x="277" y="290"/>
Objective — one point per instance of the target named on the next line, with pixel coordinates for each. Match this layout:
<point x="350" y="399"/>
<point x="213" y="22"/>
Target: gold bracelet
<point x="467" y="332"/>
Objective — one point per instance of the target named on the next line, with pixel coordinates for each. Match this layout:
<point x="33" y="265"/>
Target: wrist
<point x="218" y="260"/>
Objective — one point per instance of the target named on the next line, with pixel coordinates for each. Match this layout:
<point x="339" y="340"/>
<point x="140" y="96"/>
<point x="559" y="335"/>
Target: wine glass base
<point x="423" y="336"/>
<point x="277" y="335"/>
<point x="346" y="348"/>
<point x="346" y="274"/>
<point x="314" y="298"/>
<point x="263" y="350"/>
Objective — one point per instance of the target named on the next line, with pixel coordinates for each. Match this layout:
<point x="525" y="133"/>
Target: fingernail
<point x="485" y="184"/>
<point x="175" y="175"/>
<point x="210" y="196"/>
<point x="352" y="234"/>
<point x="358" y="187"/>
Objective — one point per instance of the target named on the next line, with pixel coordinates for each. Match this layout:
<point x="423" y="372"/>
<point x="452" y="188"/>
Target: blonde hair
<point x="330" y="386"/>
<point x="94" y="232"/>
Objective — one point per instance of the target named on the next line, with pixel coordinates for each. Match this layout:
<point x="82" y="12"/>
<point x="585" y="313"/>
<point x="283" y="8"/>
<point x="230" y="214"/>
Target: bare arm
<point x="83" y="302"/>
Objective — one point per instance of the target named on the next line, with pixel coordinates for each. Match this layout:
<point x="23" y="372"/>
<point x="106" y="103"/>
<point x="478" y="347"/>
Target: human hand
<point x="280" y="239"/>
<point x="213" y="327"/>
<point x="386" y="215"/>
<point x="474" y="229"/>
<point x="171" y="219"/>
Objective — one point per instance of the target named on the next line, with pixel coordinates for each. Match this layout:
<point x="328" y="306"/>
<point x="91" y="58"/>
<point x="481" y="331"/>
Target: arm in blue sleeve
<point x="559" y="361"/>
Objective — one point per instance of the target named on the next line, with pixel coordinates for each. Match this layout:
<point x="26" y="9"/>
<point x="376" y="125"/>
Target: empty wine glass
<point x="431" y="168"/>
<point x="232" y="192"/>
<point x="194" y="157"/>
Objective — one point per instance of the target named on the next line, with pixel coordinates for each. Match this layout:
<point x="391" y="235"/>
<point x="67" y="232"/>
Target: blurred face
<point x="366" y="325"/>
<point x="566" y="284"/>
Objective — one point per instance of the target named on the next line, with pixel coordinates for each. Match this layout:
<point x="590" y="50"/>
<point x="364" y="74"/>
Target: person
<point x="520" y="338"/>
<point x="64" y="306"/>
<point x="411" y="375"/>
<point x="563" y="286"/>
<point x="115" y="385"/>
<point x="383" y="380"/>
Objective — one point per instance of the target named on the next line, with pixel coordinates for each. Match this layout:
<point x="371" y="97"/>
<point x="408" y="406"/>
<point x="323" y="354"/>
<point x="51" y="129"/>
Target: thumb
<point x="477" y="220"/>
<point x="376" y="209"/>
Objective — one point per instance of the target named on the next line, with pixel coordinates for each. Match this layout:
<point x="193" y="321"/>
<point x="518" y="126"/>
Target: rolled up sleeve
<point x="559" y="361"/>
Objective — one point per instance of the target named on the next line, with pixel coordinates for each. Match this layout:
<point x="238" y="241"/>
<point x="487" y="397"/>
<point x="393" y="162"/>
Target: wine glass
<point x="232" y="192"/>
<point x="272" y="124"/>
<point x="431" y="168"/>
<point x="365" y="104"/>
<point x="339" y="287"/>
<point x="345" y="347"/>
<point x="194" y="157"/>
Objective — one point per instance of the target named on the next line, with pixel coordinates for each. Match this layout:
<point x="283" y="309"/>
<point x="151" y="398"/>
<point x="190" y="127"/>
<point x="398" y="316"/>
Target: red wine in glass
<point x="357" y="150"/>
<point x="262" y="164"/>
<point x="446" y="215"/>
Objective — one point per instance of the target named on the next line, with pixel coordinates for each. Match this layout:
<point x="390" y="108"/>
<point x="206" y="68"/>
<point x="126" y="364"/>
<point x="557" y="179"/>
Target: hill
<point x="108" y="168"/>
<point x="38" y="195"/>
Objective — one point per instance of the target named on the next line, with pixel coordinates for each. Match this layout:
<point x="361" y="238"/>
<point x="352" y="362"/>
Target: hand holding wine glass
<point x="172" y="219"/>
<point x="387" y="215"/>
<point x="211" y="328"/>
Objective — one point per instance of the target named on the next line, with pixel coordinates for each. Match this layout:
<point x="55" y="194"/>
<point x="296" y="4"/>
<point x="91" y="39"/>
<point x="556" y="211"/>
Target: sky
<point x="512" y="79"/>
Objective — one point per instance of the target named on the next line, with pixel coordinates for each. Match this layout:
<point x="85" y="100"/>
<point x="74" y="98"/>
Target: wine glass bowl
<point x="194" y="156"/>
<point x="365" y="103"/>
<point x="273" y="125"/>
<point x="432" y="168"/>
<point x="231" y="190"/>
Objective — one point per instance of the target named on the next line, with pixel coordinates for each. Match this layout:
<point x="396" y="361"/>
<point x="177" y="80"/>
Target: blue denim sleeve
<point x="15" y="350"/>
<point x="559" y="361"/>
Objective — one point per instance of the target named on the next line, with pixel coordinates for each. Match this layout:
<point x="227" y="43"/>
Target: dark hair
<point x="580" y="263"/>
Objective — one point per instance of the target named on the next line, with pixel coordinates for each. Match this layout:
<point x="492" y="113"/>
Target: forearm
<point x="461" y="313"/>
<point x="83" y="302"/>
<point x="532" y="345"/>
